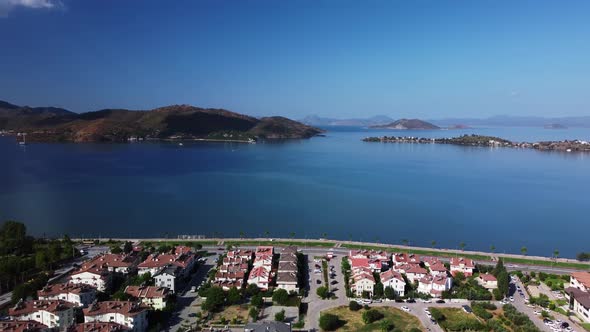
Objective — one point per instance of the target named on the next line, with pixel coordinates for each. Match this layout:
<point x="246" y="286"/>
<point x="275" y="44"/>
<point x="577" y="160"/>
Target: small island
<point x="554" y="126"/>
<point x="488" y="141"/>
<point x="407" y="124"/>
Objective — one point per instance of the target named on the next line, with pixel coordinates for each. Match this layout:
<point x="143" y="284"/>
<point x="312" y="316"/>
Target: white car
<point x="406" y="309"/>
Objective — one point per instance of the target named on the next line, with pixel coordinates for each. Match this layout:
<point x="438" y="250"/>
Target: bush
<point x="323" y="292"/>
<point x="437" y="315"/>
<point x="371" y="316"/>
<point x="253" y="313"/>
<point x="330" y="322"/>
<point x="280" y="316"/>
<point x="354" y="306"/>
<point x="280" y="296"/>
<point x="257" y="301"/>
<point x="481" y="312"/>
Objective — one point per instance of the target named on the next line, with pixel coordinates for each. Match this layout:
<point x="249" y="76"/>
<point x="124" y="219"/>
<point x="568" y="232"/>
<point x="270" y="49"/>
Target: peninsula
<point x="407" y="124"/>
<point x="176" y="122"/>
<point x="489" y="141"/>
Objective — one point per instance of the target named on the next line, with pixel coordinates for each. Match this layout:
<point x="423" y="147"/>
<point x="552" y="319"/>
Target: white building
<point x="580" y="280"/>
<point x="362" y="281"/>
<point x="80" y="294"/>
<point x="151" y="296"/>
<point x="579" y="303"/>
<point x="415" y="273"/>
<point x="394" y="280"/>
<point x="168" y="277"/>
<point x="129" y="314"/>
<point x="181" y="257"/>
<point x="463" y="265"/>
<point x="435" y="285"/>
<point x="260" y="276"/>
<point x="91" y="275"/>
<point x="487" y="281"/>
<point x="51" y="313"/>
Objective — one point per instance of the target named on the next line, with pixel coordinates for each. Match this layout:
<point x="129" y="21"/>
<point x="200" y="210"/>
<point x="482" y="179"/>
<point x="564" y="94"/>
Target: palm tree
<point x="325" y="235"/>
<point x="266" y="233"/>
<point x="242" y="234"/>
<point x="405" y="242"/>
<point x="523" y="250"/>
<point x="433" y="244"/>
<point x="350" y="237"/>
<point x="462" y="245"/>
<point x="555" y="254"/>
<point x="292" y="235"/>
<point x="493" y="248"/>
<point x="376" y="239"/>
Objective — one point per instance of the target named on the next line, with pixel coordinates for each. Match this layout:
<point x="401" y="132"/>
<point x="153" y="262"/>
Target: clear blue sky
<point x="427" y="59"/>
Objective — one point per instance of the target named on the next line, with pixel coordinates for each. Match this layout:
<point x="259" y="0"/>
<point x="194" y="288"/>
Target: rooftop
<point x="21" y="326"/>
<point x="148" y="292"/>
<point x="52" y="306"/>
<point x="125" y="308"/>
<point x="583" y="278"/>
<point x="98" y="327"/>
<point x="56" y="289"/>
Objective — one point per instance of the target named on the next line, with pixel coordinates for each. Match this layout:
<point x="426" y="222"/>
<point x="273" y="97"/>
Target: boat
<point x="180" y="144"/>
<point x="24" y="141"/>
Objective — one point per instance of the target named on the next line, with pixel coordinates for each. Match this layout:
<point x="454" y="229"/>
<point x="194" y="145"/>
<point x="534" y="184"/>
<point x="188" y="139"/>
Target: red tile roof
<point x="161" y="260"/>
<point x="125" y="308"/>
<point x="416" y="269"/>
<point x="148" y="292"/>
<point x="112" y="260"/>
<point x="21" y="326"/>
<point x="487" y="277"/>
<point x="56" y="289"/>
<point x="582" y="277"/>
<point x="98" y="327"/>
<point x="52" y="306"/>
<point x="390" y="274"/>
<point x="457" y="261"/>
<point x="406" y="258"/>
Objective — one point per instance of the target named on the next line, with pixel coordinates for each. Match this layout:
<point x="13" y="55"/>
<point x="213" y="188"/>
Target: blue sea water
<point x="336" y="185"/>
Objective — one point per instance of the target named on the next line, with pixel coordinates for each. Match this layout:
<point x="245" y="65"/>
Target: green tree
<point x="292" y="234"/>
<point x="386" y="325"/>
<point x="354" y="306"/>
<point x="41" y="260"/>
<point x="12" y="237"/>
<point x="378" y="290"/>
<point x="405" y="242"/>
<point x="323" y="292"/>
<point x="127" y="247"/>
<point x="503" y="282"/>
<point x="234" y="296"/>
<point x="555" y="253"/>
<point x="280" y="296"/>
<point x="280" y="316"/>
<point x="389" y="292"/>
<point x="253" y="313"/>
<point x="372" y="315"/>
<point x="116" y="250"/>
<point x="330" y="322"/>
<point x="257" y="301"/>
<point x="493" y="248"/>
<point x="433" y="244"/>
<point x="523" y="250"/>
<point x="242" y="234"/>
<point x="215" y="299"/>
<point x="54" y="251"/>
<point x="437" y="315"/>
<point x="252" y="289"/>
<point x="462" y="245"/>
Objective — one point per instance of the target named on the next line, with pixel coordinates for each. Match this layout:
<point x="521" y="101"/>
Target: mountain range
<point x="403" y="124"/>
<point x="314" y="120"/>
<point x="170" y="122"/>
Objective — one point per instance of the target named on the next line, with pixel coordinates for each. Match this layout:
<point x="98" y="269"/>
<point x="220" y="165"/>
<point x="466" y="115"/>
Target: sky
<point x="333" y="58"/>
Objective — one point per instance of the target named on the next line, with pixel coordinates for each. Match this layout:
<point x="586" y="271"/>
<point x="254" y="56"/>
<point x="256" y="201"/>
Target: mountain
<point x="170" y="122"/>
<point x="314" y="120"/>
<point x="404" y="124"/>
<point x="517" y="121"/>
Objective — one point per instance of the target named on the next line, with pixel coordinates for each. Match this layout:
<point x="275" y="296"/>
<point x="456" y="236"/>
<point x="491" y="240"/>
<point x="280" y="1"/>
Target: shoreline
<point x="336" y="244"/>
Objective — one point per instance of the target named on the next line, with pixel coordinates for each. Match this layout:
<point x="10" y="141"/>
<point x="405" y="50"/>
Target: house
<point x="366" y="263"/>
<point x="260" y="276"/>
<point x="154" y="263"/>
<point x="415" y="273"/>
<point x="581" y="281"/>
<point x="487" y="281"/>
<point x="463" y="265"/>
<point x="438" y="268"/>
<point x="129" y="314"/>
<point x="22" y="326"/>
<point x="287" y="281"/>
<point x="405" y="258"/>
<point x="394" y="280"/>
<point x="434" y="285"/>
<point x="168" y="277"/>
<point x="267" y="326"/>
<point x="242" y="254"/>
<point x="263" y="260"/>
<point x="92" y="275"/>
<point x="579" y="302"/>
<point x="288" y="267"/>
<point x="230" y="279"/>
<point x="119" y="263"/>
<point x="99" y="327"/>
<point x="377" y="260"/>
<point x="80" y="294"/>
<point x="264" y="251"/>
<point x="362" y="281"/>
<point x="151" y="296"/>
<point x="429" y="261"/>
<point x="57" y="314"/>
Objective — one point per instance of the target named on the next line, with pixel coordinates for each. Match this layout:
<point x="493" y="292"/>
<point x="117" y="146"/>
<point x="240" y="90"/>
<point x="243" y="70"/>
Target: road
<point x="187" y="301"/>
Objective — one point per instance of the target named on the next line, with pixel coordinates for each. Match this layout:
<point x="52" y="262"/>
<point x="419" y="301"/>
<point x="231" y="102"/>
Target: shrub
<point x="354" y="306"/>
<point x="257" y="301"/>
<point x="330" y="322"/>
<point x="280" y="296"/>
<point x="280" y="316"/>
<point x="437" y="315"/>
<point x="253" y="313"/>
<point x="323" y="292"/>
<point x="371" y="316"/>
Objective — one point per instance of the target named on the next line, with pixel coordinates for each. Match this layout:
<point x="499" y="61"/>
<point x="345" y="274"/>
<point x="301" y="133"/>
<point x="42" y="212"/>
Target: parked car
<point x="406" y="309"/>
<point x="319" y="282"/>
<point x="410" y="301"/>
<point x="440" y="301"/>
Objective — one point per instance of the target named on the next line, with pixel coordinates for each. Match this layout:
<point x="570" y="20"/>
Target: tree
<point x="242" y="234"/>
<point x="405" y="242"/>
<point x="459" y="277"/>
<point x="378" y="290"/>
<point x="253" y="313"/>
<point x="437" y="315"/>
<point x="499" y="267"/>
<point x="493" y="248"/>
<point x="330" y="322"/>
<point x="354" y="306"/>
<point x="433" y="244"/>
<point x="323" y="292"/>
<point x="127" y="247"/>
<point x="292" y="235"/>
<point x="386" y="325"/>
<point x="116" y="250"/>
<point x="234" y="296"/>
<point x="583" y="256"/>
<point x="555" y="253"/>
<point x="41" y="260"/>
<point x="372" y="315"/>
<point x="503" y="282"/>
<point x="523" y="250"/>
<point x="257" y="301"/>
<point x="54" y="251"/>
<point x="12" y="237"/>
<point x="252" y="289"/>
<point x="389" y="292"/>
<point x="462" y="245"/>
<point x="215" y="299"/>
<point x="325" y="235"/>
<point x="280" y="296"/>
<point x="267" y="233"/>
<point x="280" y="316"/>
<point x="197" y="247"/>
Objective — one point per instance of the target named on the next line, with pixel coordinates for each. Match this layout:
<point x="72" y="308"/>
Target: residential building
<point x="263" y="260"/>
<point x="405" y="258"/>
<point x="152" y="296"/>
<point x="287" y="276"/>
<point x="99" y="327"/>
<point x="434" y="285"/>
<point x="80" y="294"/>
<point x="394" y="280"/>
<point x="366" y="263"/>
<point x="264" y="251"/>
<point x="241" y="253"/>
<point x="579" y="302"/>
<point x="362" y="281"/>
<point x="287" y="281"/>
<point x="463" y="265"/>
<point x="120" y="263"/>
<point x="57" y="314"/>
<point x="23" y="326"/>
<point x="288" y="267"/>
<point x="376" y="260"/>
<point x="180" y="257"/>
<point x="229" y="279"/>
<point x="260" y="276"/>
<point x="415" y="273"/>
<point x="487" y="281"/>
<point x="580" y="280"/>
<point x="168" y="277"/>
<point x="92" y="275"/>
<point x="267" y="326"/>
<point x="129" y="314"/>
<point x="438" y="268"/>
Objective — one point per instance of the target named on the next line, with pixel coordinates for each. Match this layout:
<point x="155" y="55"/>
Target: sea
<point x="335" y="186"/>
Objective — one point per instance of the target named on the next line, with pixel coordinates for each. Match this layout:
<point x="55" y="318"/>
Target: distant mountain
<point x="555" y="126"/>
<point x="403" y="124"/>
<point x="176" y="121"/>
<point x="314" y="120"/>
<point x="517" y="121"/>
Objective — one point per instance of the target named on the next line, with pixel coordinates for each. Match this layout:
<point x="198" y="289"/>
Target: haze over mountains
<point x="175" y="121"/>
<point x="499" y="120"/>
